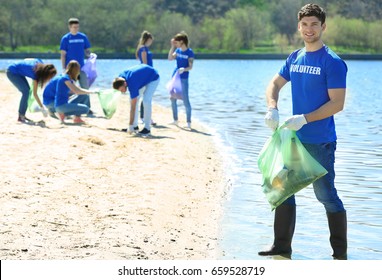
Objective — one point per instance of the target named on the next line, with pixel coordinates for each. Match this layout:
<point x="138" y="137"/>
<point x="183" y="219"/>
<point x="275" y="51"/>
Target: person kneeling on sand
<point x="142" y="81"/>
<point x="49" y="95"/>
<point x="65" y="106"/>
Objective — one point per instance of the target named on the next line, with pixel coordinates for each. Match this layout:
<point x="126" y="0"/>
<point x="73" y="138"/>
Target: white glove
<point x="295" y="122"/>
<point x="44" y="112"/>
<point x="181" y="70"/>
<point x="272" y="118"/>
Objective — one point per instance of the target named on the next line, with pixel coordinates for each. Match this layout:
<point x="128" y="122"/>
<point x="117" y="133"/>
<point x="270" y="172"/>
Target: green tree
<point x="115" y="26"/>
<point x="212" y="31"/>
<point x="167" y="26"/>
<point x="348" y="33"/>
<point x="247" y="26"/>
<point x="196" y="9"/>
<point x="375" y="36"/>
<point x="260" y="4"/>
<point x="284" y="17"/>
<point x="216" y="25"/>
<point x="16" y="15"/>
<point x="368" y="10"/>
<point x="239" y="29"/>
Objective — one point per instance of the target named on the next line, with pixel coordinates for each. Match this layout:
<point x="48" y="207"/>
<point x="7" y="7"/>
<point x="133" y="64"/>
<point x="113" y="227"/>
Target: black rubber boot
<point x="284" y="223"/>
<point x="338" y="234"/>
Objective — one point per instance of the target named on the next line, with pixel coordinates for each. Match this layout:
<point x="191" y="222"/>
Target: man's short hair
<point x="73" y="21"/>
<point x="118" y="82"/>
<point x="312" y="10"/>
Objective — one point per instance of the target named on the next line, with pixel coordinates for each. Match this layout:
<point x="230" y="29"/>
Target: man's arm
<point x="63" y="60"/>
<point x="87" y="53"/>
<point x="133" y="104"/>
<point x="333" y="106"/>
<point x="171" y="54"/>
<point x="273" y="89"/>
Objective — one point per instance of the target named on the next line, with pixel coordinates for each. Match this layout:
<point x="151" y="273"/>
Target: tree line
<point x="214" y="26"/>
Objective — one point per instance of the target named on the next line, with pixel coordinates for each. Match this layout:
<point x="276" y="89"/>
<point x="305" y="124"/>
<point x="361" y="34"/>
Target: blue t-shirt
<point x="25" y="68"/>
<point x="49" y="93"/>
<point x="139" y="76"/>
<point x="311" y="75"/>
<point x="62" y="91"/>
<point x="149" y="55"/>
<point x="75" y="46"/>
<point x="182" y="60"/>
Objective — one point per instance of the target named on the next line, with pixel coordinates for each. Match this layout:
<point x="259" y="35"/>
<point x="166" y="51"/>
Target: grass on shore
<point x="263" y="49"/>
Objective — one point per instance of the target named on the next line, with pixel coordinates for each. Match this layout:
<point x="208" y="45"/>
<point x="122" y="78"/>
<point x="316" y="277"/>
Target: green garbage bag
<point x="108" y="98"/>
<point x="286" y="166"/>
<point x="32" y="103"/>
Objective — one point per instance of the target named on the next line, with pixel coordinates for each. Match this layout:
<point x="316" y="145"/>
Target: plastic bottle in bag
<point x="279" y="180"/>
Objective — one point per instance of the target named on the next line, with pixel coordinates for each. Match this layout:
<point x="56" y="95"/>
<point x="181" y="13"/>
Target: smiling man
<point x="318" y="84"/>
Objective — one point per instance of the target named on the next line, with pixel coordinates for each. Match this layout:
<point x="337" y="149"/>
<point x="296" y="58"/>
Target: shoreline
<point x="94" y="192"/>
<point x="233" y="56"/>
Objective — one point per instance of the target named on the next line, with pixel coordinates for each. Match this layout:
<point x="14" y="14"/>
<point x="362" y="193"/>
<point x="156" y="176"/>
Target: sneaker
<point x="153" y="123"/>
<point x="189" y="125"/>
<point x="24" y="119"/>
<point x="174" y="123"/>
<point x="144" y="131"/>
<point x="136" y="130"/>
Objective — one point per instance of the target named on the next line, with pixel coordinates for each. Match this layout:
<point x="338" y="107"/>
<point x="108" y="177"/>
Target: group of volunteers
<point x="63" y="97"/>
<point x="142" y="80"/>
<point x="318" y="86"/>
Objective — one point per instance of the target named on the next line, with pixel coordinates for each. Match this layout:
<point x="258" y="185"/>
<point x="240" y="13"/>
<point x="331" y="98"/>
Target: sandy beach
<point x="94" y="192"/>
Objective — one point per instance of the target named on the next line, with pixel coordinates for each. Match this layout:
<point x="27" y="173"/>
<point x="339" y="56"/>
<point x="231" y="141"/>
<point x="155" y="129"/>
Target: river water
<point x="228" y="96"/>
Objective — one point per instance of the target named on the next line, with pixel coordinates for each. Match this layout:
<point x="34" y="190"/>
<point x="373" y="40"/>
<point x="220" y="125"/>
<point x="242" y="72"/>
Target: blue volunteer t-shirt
<point x="62" y="91"/>
<point x="25" y="68"/>
<point x="311" y="75"/>
<point x="75" y="46"/>
<point x="182" y="60"/>
<point x="50" y="90"/>
<point x="139" y="76"/>
<point x="149" y="55"/>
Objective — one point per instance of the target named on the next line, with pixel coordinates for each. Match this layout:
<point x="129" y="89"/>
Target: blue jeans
<point x="21" y="83"/>
<point x="186" y="102"/>
<point x="324" y="188"/>
<point x="83" y="81"/>
<point x="75" y="106"/>
<point x="146" y="93"/>
<point x="50" y="107"/>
